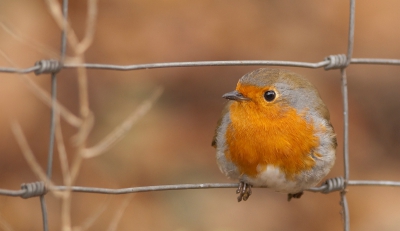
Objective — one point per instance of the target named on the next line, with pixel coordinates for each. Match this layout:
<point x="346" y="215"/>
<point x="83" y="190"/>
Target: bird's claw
<point x="294" y="195"/>
<point x="244" y="191"/>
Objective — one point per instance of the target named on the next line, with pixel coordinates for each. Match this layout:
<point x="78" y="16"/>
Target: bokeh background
<point x="171" y="145"/>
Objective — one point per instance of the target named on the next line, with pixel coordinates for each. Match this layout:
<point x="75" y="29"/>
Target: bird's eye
<point x="269" y="95"/>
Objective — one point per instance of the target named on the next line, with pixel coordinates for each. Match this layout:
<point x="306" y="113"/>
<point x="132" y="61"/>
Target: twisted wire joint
<point x="334" y="184"/>
<point x="336" y="61"/>
<point x="33" y="189"/>
<point x="48" y="66"/>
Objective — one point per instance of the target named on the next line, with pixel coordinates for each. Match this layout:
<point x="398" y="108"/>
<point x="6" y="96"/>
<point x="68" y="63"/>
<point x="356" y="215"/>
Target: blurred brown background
<point x="171" y="145"/>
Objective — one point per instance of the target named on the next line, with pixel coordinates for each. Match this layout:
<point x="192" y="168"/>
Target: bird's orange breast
<point x="278" y="136"/>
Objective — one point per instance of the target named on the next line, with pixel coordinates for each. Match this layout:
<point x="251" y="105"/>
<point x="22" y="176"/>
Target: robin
<point x="275" y="132"/>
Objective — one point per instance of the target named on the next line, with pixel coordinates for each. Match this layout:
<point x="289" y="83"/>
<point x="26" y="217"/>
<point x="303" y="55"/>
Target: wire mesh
<point x="331" y="62"/>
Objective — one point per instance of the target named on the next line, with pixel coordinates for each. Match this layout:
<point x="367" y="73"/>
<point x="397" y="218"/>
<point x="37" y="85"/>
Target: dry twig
<point x="118" y="215"/>
<point x="90" y="221"/>
<point x="29" y="41"/>
<point x="122" y="129"/>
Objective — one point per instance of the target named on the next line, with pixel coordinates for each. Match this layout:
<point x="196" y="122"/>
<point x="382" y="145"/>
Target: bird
<point x="274" y="132"/>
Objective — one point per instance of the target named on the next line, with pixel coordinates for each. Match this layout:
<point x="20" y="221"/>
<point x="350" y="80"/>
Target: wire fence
<point x="40" y="188"/>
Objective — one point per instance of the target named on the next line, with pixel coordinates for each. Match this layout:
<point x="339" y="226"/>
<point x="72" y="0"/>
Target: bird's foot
<point x="244" y="191"/>
<point x="294" y="195"/>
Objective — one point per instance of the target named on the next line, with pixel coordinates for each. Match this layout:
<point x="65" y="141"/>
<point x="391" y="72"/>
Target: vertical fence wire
<point x="53" y="114"/>
<point x="44" y="213"/>
<point x="345" y="209"/>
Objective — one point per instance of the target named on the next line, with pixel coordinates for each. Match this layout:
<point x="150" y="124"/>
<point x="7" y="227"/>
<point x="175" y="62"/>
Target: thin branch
<point x="28" y="154"/>
<point x="66" y="210"/>
<point x="98" y="211"/>
<point x="90" y="28"/>
<point x="4" y="225"/>
<point x="121" y="130"/>
<point x="55" y="10"/>
<point x="62" y="154"/>
<point x="84" y="104"/>
<point x="29" y="41"/>
<point x="118" y="215"/>
<point x="84" y="130"/>
<point x="45" y="96"/>
<point x="76" y="165"/>
<point x="66" y="199"/>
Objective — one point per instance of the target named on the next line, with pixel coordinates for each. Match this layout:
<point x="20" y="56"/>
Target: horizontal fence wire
<point x="27" y="192"/>
<point x="39" y="69"/>
<point x="340" y="61"/>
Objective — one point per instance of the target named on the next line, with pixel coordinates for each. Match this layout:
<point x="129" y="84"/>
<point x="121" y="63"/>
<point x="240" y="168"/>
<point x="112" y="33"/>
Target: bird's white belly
<point x="272" y="177"/>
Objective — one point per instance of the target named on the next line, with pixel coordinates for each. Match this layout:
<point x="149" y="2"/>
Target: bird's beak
<point x="235" y="95"/>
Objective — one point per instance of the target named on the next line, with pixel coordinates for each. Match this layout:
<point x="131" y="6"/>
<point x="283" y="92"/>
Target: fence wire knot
<point x="48" y="66"/>
<point x="33" y="189"/>
<point x="336" y="61"/>
<point x="333" y="184"/>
